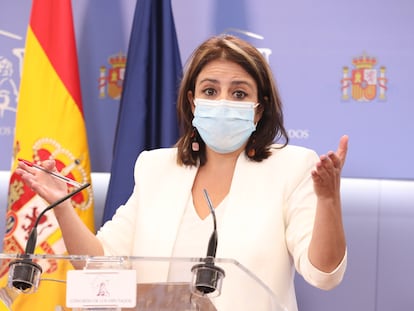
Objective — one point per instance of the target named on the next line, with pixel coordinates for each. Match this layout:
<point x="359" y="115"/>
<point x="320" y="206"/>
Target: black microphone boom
<point x="24" y="273"/>
<point x="212" y="244"/>
<point x="31" y="241"/>
<point x="207" y="276"/>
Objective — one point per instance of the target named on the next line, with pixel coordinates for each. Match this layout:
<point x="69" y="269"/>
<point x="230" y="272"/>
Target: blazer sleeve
<point x="299" y="217"/>
<point x="117" y="234"/>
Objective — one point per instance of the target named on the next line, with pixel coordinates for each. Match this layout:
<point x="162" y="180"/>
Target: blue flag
<point x="147" y="116"/>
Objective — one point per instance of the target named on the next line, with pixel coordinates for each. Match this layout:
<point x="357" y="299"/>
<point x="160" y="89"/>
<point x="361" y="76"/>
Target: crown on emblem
<point x="364" y="61"/>
<point x="118" y="60"/>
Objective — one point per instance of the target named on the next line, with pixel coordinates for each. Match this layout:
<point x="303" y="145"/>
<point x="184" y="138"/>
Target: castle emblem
<point x="366" y="82"/>
<point x="111" y="80"/>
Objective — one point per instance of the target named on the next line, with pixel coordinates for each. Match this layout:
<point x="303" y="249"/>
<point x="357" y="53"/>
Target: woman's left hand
<point x="327" y="174"/>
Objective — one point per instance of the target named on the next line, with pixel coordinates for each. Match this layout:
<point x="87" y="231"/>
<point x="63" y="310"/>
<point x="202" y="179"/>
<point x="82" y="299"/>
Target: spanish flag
<point x="49" y="125"/>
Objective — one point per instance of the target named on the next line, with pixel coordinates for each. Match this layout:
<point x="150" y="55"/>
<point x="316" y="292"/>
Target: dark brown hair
<point x="269" y="129"/>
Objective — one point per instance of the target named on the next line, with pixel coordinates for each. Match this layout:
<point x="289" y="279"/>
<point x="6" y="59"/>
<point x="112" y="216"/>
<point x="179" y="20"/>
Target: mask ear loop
<point x="254" y="107"/>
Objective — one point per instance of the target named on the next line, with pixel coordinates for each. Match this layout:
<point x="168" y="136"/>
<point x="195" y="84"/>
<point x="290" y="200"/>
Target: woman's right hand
<point x="78" y="238"/>
<point x="49" y="188"/>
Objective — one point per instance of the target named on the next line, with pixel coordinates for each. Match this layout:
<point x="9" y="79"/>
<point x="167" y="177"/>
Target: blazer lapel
<point x="235" y="222"/>
<point x="182" y="179"/>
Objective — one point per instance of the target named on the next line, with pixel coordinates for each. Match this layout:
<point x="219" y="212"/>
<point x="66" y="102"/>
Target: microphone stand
<point x="24" y="273"/>
<point x="207" y="277"/>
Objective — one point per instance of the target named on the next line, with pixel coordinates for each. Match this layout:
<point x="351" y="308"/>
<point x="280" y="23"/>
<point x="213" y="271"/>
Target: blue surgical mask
<point x="222" y="124"/>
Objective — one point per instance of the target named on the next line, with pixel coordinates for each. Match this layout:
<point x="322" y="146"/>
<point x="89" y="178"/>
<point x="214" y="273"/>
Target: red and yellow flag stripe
<point x="49" y="124"/>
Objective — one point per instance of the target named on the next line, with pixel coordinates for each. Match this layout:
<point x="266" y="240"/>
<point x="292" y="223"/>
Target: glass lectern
<point x="158" y="283"/>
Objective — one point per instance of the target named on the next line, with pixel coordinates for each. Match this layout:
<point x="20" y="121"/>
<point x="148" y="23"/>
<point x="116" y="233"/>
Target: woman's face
<point x="222" y="79"/>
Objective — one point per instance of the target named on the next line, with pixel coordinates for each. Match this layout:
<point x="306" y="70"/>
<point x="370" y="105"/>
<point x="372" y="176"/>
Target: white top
<point x="194" y="232"/>
<point x="193" y="237"/>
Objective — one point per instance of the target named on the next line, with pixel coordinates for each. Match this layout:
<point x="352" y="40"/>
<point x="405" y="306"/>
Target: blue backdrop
<point x="320" y="51"/>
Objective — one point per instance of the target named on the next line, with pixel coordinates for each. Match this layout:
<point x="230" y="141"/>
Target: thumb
<point x="50" y="165"/>
<point x="342" y="150"/>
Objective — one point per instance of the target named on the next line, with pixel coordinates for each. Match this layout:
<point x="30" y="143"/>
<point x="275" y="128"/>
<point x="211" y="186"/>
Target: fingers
<point x="338" y="157"/>
<point x="342" y="150"/>
<point x="49" y="165"/>
<point x="331" y="163"/>
<point x="327" y="163"/>
<point x="31" y="172"/>
<point x="28" y="177"/>
<point x="327" y="173"/>
<point x="24" y="170"/>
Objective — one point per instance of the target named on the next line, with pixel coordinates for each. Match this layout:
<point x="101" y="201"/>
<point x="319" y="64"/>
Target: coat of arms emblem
<point x="365" y="81"/>
<point x="111" y="80"/>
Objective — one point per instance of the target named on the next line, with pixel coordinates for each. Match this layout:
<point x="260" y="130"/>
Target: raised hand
<point x="48" y="187"/>
<point x="327" y="173"/>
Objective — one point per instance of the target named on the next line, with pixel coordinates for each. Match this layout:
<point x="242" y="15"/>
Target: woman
<point x="278" y="206"/>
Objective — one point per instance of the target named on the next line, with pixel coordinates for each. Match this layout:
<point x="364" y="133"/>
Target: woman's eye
<point x="209" y="92"/>
<point x="240" y="94"/>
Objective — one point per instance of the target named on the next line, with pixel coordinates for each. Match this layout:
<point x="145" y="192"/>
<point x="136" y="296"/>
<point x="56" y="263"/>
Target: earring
<point x="252" y="151"/>
<point x="194" y="143"/>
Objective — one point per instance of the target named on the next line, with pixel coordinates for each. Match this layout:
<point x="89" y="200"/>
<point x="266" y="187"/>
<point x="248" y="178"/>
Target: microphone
<point x="207" y="277"/>
<point x="24" y="273"/>
<point x="212" y="243"/>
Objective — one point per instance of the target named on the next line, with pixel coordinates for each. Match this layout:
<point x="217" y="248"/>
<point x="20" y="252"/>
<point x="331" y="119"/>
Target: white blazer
<point x="266" y="227"/>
